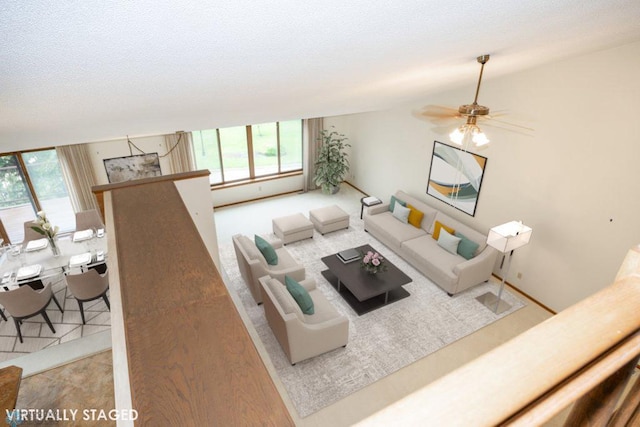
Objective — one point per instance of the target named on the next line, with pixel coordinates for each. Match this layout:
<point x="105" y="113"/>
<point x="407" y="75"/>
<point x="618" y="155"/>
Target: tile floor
<point x="68" y="325"/>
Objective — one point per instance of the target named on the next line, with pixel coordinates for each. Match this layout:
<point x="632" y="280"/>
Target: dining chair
<point x="89" y="286"/>
<point x="88" y="219"/>
<point x="29" y="233"/>
<point x="23" y="302"/>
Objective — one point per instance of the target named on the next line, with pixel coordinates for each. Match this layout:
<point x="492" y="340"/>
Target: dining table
<point x="31" y="263"/>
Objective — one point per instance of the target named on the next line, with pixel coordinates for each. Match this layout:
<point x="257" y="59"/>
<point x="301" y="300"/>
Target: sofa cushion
<point x="431" y="258"/>
<point x="415" y="216"/>
<point x="392" y="203"/>
<point x="394" y="230"/>
<point x="448" y="241"/>
<point x="466" y="248"/>
<point x="401" y="213"/>
<point x="324" y="310"/>
<point x="439" y="226"/>
<point x="285" y="260"/>
<point x="282" y="297"/>
<point x="266" y="250"/>
<point x="300" y="294"/>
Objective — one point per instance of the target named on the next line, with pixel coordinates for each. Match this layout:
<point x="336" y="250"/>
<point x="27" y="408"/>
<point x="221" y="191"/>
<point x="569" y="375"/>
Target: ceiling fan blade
<point x="525" y="131"/>
<point x="438" y="112"/>
<point x="493" y="119"/>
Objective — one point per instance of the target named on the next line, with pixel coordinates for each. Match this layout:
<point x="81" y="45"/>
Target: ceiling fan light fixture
<point x="457" y="136"/>
<point x="469" y="133"/>
<point x="479" y="138"/>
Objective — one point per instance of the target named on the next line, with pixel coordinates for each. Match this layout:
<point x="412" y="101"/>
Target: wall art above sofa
<point x="455" y="177"/>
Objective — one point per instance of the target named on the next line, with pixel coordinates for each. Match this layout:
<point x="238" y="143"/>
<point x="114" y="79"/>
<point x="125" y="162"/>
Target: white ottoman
<point x="292" y="228"/>
<point x="328" y="219"/>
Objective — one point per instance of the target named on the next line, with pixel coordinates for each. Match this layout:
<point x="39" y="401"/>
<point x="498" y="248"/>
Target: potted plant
<point x="331" y="163"/>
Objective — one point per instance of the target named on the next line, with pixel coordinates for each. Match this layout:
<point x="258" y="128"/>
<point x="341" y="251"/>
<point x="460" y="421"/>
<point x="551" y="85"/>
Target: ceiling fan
<point x="469" y="131"/>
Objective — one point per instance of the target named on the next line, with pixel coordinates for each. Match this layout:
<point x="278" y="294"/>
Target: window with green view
<point x="246" y="152"/>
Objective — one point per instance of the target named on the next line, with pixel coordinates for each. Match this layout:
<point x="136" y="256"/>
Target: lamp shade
<point x="509" y="236"/>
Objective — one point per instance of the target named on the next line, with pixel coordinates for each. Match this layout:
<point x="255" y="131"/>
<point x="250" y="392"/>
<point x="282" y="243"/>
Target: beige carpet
<point x="380" y="342"/>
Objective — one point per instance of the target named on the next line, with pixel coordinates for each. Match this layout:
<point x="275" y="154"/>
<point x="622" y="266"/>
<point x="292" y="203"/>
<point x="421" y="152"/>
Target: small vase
<point x="54" y="247"/>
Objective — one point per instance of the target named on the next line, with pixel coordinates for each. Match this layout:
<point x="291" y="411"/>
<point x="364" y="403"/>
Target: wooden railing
<point x="583" y="356"/>
<point x="181" y="353"/>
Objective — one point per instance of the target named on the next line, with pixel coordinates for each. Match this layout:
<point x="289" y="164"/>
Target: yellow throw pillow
<point x="438" y="226"/>
<point x="415" y="216"/>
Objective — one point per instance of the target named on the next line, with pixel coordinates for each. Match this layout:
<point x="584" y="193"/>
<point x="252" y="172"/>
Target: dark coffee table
<point x="365" y="292"/>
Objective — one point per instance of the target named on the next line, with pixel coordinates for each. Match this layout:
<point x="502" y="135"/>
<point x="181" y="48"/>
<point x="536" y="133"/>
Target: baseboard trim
<point x="258" y="198"/>
<point x="356" y="188"/>
<point x="515" y="288"/>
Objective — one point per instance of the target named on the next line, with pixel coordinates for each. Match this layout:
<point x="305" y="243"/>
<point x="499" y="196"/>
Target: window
<point x="32" y="181"/>
<point x="247" y="152"/>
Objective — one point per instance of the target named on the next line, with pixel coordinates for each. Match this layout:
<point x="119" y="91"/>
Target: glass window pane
<point x="265" y="148"/>
<point x="46" y="176"/>
<point x="235" y="157"/>
<point x="205" y="149"/>
<point x="290" y="145"/>
<point x="15" y="201"/>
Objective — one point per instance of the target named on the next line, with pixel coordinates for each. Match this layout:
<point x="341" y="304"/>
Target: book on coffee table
<point x="348" y="255"/>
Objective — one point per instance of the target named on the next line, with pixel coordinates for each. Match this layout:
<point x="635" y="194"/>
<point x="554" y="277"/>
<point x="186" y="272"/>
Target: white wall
<point x="575" y="180"/>
<point x="257" y="190"/>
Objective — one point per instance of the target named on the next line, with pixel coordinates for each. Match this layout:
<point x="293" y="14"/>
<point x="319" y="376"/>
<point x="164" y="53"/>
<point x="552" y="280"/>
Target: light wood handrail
<point x="188" y="357"/>
<point x="548" y="365"/>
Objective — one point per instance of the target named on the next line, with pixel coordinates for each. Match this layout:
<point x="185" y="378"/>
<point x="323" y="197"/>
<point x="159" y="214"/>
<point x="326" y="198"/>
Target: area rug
<point x="381" y="341"/>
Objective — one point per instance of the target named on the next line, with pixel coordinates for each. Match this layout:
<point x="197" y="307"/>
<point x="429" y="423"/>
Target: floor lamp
<point x="505" y="238"/>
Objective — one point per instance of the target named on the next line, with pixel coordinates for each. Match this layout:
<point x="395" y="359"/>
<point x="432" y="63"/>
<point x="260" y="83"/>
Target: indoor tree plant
<point x="331" y="162"/>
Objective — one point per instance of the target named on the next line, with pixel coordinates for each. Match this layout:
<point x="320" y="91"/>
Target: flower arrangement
<point x="44" y="227"/>
<point x="373" y="263"/>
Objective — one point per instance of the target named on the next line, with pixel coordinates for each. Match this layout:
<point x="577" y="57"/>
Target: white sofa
<point x="253" y="265"/>
<point x="303" y="336"/>
<point x="453" y="273"/>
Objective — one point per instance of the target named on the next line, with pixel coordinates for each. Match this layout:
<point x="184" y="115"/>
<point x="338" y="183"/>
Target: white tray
<point x="28" y="272"/>
<point x="80" y="259"/>
<point x="79" y="236"/>
<point x="36" y="245"/>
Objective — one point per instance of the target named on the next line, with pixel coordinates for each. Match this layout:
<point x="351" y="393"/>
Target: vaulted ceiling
<point x="82" y="71"/>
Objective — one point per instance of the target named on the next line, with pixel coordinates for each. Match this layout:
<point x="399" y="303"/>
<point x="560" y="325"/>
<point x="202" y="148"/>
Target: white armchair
<point x="303" y="336"/>
<point x="252" y="264"/>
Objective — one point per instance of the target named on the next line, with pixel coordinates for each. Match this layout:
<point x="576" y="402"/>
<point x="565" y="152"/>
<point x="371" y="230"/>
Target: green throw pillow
<point x="466" y="247"/>
<point x="393" y="201"/>
<point x="300" y="294"/>
<point x="267" y="250"/>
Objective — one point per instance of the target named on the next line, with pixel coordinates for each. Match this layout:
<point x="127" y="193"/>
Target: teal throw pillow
<point x="300" y="294"/>
<point x="466" y="247"/>
<point x="267" y="250"/>
<point x="448" y="241"/>
<point x="392" y="203"/>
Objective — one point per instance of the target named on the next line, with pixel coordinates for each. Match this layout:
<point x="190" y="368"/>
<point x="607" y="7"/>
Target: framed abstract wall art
<point x="121" y="169"/>
<point x="455" y="177"/>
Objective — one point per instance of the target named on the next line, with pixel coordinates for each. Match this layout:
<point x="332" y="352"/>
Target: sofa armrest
<point x="376" y="209"/>
<point x="475" y="270"/>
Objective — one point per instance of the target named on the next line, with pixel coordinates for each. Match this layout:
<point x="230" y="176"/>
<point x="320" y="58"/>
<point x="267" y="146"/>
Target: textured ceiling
<point x="81" y="71"/>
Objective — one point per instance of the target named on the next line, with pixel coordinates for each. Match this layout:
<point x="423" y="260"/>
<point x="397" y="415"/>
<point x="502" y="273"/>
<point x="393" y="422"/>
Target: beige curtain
<point x="179" y="151"/>
<point x="310" y="132"/>
<point x="79" y="176"/>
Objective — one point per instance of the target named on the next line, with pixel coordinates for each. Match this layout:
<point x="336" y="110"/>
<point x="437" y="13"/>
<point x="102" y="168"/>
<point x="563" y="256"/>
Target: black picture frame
<point x="120" y="169"/>
<point x="455" y="177"/>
